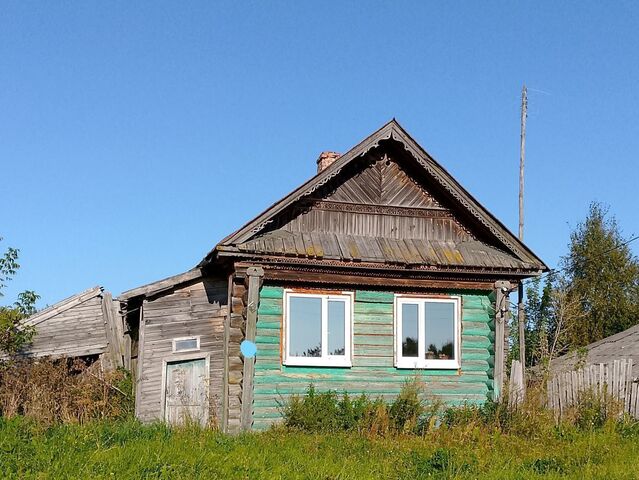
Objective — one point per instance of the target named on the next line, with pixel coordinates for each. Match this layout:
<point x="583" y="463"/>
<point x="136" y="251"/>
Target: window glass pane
<point x="186" y="344"/>
<point x="440" y="330"/>
<point x="305" y="327"/>
<point x="410" y="333"/>
<point x="336" y="326"/>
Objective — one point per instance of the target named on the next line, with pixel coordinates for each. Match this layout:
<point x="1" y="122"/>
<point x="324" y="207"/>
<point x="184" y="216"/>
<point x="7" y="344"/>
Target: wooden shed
<point x="622" y="345"/>
<point x="177" y="325"/>
<point x="379" y="268"/>
<point x="85" y="325"/>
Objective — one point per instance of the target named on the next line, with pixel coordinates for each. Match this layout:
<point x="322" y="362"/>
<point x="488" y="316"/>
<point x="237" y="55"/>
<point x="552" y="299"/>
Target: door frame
<point x="207" y="377"/>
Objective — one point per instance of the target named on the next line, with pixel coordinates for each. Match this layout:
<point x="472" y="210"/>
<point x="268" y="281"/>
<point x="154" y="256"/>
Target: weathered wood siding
<point x="195" y="309"/>
<point x="378" y="200"/>
<point x="383" y="182"/>
<point x="75" y="332"/>
<point x="236" y="332"/>
<point x="373" y="370"/>
<point x="426" y="226"/>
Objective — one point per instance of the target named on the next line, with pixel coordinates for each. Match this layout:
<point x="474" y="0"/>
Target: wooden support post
<point x="114" y="332"/>
<point x="128" y="364"/>
<point x="521" y="320"/>
<point x="140" y="362"/>
<point x="502" y="289"/>
<point x="118" y="321"/>
<point x="254" y="275"/>
<point x="225" y="353"/>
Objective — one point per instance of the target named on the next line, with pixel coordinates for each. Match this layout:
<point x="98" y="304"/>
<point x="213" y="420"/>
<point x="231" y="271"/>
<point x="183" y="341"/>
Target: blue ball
<point x="248" y="349"/>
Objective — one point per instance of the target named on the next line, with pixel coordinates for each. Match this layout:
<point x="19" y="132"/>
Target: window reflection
<point x="410" y="330"/>
<point x="439" y="318"/>
<point x="305" y="327"/>
<point x="336" y="321"/>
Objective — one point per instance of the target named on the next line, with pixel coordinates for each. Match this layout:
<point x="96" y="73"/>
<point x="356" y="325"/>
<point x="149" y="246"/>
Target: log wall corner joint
<point x="254" y="277"/>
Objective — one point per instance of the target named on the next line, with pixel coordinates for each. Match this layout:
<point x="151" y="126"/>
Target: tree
<point x="566" y="319"/>
<point x="602" y="279"/>
<point x="539" y="321"/>
<point x="539" y="318"/>
<point x="14" y="336"/>
<point x="595" y="295"/>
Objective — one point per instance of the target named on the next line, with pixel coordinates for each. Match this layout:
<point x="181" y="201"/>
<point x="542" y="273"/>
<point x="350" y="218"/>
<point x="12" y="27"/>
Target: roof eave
<point x="293" y="261"/>
<point x="159" y="286"/>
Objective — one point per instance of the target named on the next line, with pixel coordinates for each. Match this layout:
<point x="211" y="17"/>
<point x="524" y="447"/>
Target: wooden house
<point x="379" y="268"/>
<point x="87" y="325"/>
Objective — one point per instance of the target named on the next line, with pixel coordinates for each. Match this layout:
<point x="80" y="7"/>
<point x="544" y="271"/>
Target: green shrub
<point x="312" y="412"/>
<point x="351" y="413"/>
<point x="594" y="409"/>
<point x="463" y="415"/>
<point x="327" y="411"/>
<point x="407" y="408"/>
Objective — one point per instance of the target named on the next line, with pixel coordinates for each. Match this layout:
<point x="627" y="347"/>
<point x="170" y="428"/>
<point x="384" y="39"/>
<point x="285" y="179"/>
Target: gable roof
<point x="62" y="306"/>
<point x="74" y="327"/>
<point x="620" y="345"/>
<point x="524" y="258"/>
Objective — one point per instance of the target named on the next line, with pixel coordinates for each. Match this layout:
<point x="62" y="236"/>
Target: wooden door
<point x="186" y="394"/>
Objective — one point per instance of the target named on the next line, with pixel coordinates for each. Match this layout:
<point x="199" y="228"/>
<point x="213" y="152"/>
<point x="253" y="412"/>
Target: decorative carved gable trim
<point x="379" y="180"/>
<point x="333" y="206"/>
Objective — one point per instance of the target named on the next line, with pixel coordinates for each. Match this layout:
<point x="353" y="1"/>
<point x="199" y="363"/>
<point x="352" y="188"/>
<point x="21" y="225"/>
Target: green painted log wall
<point x="373" y="370"/>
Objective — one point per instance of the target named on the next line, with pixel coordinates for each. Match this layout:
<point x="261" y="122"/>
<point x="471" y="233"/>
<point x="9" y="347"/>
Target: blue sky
<point x="134" y="136"/>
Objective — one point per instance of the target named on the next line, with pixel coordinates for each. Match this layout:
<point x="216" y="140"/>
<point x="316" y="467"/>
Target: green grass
<point x="127" y="449"/>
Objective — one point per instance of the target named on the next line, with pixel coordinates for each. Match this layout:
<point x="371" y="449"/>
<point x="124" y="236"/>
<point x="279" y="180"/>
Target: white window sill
<point x="428" y="365"/>
<point x="186" y="350"/>
<point x="318" y="362"/>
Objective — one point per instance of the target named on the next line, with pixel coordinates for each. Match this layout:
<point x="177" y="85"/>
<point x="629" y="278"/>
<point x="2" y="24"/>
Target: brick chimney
<point x="325" y="159"/>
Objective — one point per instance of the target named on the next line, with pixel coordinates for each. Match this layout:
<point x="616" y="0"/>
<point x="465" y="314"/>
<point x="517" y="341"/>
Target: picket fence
<point x="614" y="379"/>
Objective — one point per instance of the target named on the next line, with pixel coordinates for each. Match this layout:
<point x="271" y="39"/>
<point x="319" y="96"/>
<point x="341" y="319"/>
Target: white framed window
<point x="186" y="344"/>
<point x="427" y="332"/>
<point x="318" y="329"/>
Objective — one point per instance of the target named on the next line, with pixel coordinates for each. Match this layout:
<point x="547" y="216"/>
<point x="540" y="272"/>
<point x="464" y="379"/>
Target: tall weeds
<point x="330" y="412"/>
<point x="60" y="391"/>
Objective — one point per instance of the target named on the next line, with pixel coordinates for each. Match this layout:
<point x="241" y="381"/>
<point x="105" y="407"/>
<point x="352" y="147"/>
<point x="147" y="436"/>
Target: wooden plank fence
<point x="614" y="379"/>
<point x="516" y="385"/>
